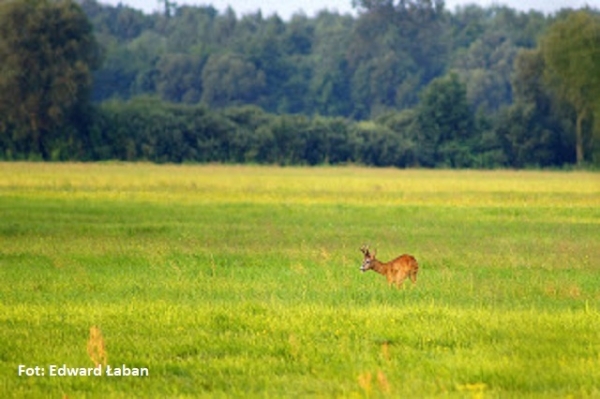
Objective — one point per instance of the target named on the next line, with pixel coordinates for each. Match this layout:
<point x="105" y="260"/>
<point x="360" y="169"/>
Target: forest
<point x="403" y="83"/>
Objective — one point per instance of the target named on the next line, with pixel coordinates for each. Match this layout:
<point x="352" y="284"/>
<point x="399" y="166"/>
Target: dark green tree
<point x="446" y="124"/>
<point x="329" y="89"/>
<point x="47" y="53"/>
<point x="228" y="79"/>
<point x="191" y="30"/>
<point x="534" y="130"/>
<point x="244" y="144"/>
<point x="179" y="77"/>
<point x="486" y="42"/>
<point x="571" y="51"/>
<point x="395" y="48"/>
<point x="524" y="140"/>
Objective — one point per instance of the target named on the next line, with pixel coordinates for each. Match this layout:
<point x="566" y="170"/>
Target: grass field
<point x="231" y="281"/>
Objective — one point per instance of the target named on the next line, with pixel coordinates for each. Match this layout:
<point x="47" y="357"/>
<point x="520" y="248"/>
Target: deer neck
<point x="379" y="266"/>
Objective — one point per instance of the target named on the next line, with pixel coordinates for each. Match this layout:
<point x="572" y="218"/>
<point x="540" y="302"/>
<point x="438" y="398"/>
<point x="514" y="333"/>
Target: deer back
<point x="405" y="264"/>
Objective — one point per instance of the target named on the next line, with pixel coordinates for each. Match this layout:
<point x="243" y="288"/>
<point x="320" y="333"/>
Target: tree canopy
<point x="571" y="51"/>
<point x="47" y="53"/>
<point x="402" y="83"/>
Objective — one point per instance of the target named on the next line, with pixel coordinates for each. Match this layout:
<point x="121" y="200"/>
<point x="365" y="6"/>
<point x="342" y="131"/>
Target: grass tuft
<point x="96" y="348"/>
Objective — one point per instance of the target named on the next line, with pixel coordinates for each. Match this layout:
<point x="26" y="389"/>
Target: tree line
<point x="404" y="83"/>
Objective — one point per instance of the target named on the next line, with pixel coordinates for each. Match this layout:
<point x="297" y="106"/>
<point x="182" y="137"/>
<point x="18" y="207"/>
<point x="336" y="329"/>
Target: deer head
<point x="368" y="259"/>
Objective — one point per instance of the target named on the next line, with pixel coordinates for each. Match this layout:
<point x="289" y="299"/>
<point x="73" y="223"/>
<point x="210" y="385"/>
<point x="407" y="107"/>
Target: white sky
<point x="286" y="8"/>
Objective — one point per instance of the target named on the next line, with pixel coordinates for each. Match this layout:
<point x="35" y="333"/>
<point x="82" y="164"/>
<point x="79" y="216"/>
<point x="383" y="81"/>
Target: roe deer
<point x="396" y="270"/>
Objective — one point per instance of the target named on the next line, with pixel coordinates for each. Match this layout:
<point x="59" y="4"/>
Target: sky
<point x="286" y="8"/>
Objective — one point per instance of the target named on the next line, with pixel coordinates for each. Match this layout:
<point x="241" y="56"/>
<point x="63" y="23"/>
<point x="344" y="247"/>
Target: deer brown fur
<point x="396" y="270"/>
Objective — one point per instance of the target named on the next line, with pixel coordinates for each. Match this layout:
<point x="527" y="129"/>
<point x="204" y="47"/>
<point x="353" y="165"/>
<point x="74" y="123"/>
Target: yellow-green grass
<point x="237" y="281"/>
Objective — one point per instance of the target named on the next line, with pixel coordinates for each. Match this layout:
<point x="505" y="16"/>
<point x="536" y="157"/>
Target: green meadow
<point x="240" y="281"/>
